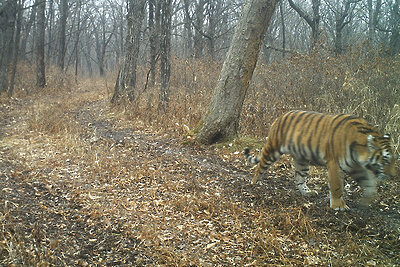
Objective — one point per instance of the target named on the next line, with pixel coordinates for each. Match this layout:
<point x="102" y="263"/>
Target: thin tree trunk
<point x="50" y="23"/>
<point x="154" y="11"/>
<point x="313" y="21"/>
<point x="27" y="31"/>
<point x="198" y="37"/>
<point x="78" y="31"/>
<point x="165" y="53"/>
<point x="7" y="22"/>
<point x="62" y="37"/>
<point x="188" y="31"/>
<point x="17" y="37"/>
<point x="40" y="37"/>
<point x="283" y="29"/>
<point x="222" y="117"/>
<point x="394" y="42"/>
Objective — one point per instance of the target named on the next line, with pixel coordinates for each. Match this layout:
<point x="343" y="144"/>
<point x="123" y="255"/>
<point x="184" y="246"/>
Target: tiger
<point x="342" y="143"/>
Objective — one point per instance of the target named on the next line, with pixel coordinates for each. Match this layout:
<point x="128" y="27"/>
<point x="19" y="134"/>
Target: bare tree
<point x="8" y="12"/>
<point x="373" y="13"/>
<point x="283" y="28"/>
<point x="126" y="80"/>
<point x="188" y="34"/>
<point x="62" y="33"/>
<point x="313" y="21"/>
<point x="27" y="31"/>
<point x="50" y="26"/>
<point x="40" y="38"/>
<point x="343" y="14"/>
<point x="165" y="54"/>
<point x="222" y="117"/>
<point x="103" y="38"/>
<point x="394" y="43"/>
<point x="154" y="29"/>
<point x="15" y="52"/>
<point x="78" y="32"/>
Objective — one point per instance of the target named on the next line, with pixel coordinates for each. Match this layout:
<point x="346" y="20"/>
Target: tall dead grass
<point x="362" y="82"/>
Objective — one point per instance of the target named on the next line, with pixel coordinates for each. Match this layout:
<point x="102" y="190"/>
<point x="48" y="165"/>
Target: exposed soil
<point x="118" y="193"/>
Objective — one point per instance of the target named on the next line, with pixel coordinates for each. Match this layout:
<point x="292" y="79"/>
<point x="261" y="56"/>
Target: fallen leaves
<point x="108" y="194"/>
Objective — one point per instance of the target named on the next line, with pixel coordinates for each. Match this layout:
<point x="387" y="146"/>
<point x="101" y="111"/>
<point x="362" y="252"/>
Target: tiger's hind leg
<point x="302" y="169"/>
<point x="267" y="157"/>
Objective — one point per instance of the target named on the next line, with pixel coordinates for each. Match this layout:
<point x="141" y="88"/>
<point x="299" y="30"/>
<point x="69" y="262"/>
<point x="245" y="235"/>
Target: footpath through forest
<point x="90" y="188"/>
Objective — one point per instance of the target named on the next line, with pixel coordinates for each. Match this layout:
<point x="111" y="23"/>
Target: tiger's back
<point x="338" y="141"/>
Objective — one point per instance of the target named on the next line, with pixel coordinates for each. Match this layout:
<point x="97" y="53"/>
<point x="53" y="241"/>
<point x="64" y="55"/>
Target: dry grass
<point x="85" y="183"/>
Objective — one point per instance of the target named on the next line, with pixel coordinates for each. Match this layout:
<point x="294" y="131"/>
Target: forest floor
<point x="81" y="185"/>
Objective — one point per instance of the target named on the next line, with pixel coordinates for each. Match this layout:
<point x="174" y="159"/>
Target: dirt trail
<point x="129" y="195"/>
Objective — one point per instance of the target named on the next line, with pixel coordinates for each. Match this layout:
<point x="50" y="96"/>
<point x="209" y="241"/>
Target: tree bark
<point x="394" y="42"/>
<point x="188" y="45"/>
<point x="313" y="21"/>
<point x="78" y="32"/>
<point x="40" y="38"/>
<point x="126" y="80"/>
<point x="373" y="18"/>
<point x="198" y="37"/>
<point x="27" y="31"/>
<point x="165" y="54"/>
<point x="283" y="29"/>
<point x="154" y="18"/>
<point x="222" y="117"/>
<point x="340" y="23"/>
<point x="62" y="36"/>
<point x="15" y="52"/>
<point x="8" y="11"/>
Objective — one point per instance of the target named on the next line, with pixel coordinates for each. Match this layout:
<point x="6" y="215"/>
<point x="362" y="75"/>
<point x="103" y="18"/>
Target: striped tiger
<point x="340" y="142"/>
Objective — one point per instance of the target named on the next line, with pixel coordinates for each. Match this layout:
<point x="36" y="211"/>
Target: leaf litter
<point x="101" y="191"/>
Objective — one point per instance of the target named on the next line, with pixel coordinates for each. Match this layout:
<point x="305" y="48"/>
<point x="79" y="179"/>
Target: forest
<point x="123" y="125"/>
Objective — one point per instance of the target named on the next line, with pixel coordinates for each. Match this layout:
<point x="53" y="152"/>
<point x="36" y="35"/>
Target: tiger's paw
<point x="338" y="204"/>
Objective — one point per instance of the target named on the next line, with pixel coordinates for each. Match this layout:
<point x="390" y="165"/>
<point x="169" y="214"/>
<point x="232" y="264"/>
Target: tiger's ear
<point x="370" y="143"/>
<point x="386" y="136"/>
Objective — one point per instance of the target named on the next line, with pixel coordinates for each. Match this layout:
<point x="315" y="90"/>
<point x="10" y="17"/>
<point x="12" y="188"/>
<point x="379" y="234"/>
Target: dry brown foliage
<point x="85" y="183"/>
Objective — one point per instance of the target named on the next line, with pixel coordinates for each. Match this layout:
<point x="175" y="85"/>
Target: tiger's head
<point x="381" y="160"/>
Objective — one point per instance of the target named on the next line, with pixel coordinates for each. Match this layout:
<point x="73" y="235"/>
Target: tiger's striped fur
<point x="340" y="142"/>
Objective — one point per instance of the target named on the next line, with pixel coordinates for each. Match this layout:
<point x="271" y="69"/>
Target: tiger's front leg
<point x="368" y="184"/>
<point x="335" y="187"/>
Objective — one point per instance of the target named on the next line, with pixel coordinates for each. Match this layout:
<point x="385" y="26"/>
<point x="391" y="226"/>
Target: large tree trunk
<point x="40" y="37"/>
<point x="222" y="117"/>
<point x="126" y="80"/>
